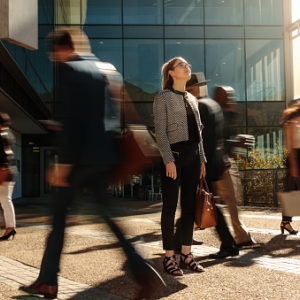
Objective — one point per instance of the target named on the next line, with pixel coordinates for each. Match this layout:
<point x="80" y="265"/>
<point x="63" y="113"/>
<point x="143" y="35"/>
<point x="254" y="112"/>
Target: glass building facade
<point x="240" y="43"/>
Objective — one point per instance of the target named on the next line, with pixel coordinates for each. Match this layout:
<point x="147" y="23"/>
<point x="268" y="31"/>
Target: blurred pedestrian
<point x="178" y="133"/>
<point x="217" y="162"/>
<point x="229" y="185"/>
<point x="291" y="119"/>
<point x="88" y="152"/>
<point x="7" y="176"/>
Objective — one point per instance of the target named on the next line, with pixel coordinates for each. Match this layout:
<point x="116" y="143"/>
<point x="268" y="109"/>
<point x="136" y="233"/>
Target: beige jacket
<point x="170" y="121"/>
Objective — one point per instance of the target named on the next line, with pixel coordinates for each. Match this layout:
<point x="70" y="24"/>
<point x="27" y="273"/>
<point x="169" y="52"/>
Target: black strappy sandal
<point x="171" y="266"/>
<point x="192" y="265"/>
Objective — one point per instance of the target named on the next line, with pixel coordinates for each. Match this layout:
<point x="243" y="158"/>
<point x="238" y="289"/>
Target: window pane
<point x="265" y="113"/>
<point x="142" y="11"/>
<point x="265" y="70"/>
<point x="104" y="12"/>
<point x="263" y="12"/>
<point x="264" y="32"/>
<point x="39" y="69"/>
<point x="184" y="12"/>
<point x="223" y="12"/>
<point x="142" y="64"/>
<point x="143" y="32"/>
<point x="295" y="10"/>
<point x="71" y="12"/>
<point x="103" y="31"/>
<point x="109" y="51"/>
<point x="45" y="13"/>
<point x="184" y="32"/>
<point x="296" y="66"/>
<point x="269" y="148"/>
<point x="225" y="65"/>
<point x="191" y="50"/>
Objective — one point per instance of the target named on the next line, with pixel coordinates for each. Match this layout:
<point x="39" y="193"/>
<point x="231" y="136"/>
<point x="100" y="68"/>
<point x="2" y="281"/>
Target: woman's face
<point x="181" y="70"/>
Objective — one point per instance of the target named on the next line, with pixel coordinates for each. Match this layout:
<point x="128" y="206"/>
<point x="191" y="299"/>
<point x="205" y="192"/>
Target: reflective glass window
<point x="295" y="10"/>
<point x="296" y="66"/>
<point x="104" y="12"/>
<point x="265" y="70"/>
<point x="45" y="12"/>
<point x="263" y="12"/>
<point x="224" y="32"/>
<point x="143" y="32"/>
<point x="191" y="50"/>
<point x="109" y="51"/>
<point x="225" y="65"/>
<point x="184" y="12"/>
<point x="39" y="69"/>
<point x="71" y="12"/>
<point x="184" y="32"/>
<point x="265" y="113"/>
<point x="142" y="64"/>
<point x="103" y="31"/>
<point x="263" y="32"/>
<point x="223" y="12"/>
<point x="269" y="146"/>
<point x="142" y="11"/>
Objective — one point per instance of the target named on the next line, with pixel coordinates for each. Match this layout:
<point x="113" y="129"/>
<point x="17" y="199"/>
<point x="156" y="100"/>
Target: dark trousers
<point x="188" y="173"/>
<point x="227" y="240"/>
<point x="93" y="178"/>
<point x="292" y="184"/>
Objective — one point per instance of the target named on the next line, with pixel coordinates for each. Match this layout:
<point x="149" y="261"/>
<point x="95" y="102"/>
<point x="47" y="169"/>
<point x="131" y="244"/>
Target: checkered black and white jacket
<point x="170" y="121"/>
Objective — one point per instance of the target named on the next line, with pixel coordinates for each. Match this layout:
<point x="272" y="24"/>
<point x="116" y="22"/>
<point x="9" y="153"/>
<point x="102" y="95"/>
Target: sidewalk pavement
<point x="93" y="267"/>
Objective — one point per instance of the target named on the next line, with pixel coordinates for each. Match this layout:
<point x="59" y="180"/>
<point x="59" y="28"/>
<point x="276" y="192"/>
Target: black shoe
<point x="195" y="242"/>
<point x="39" y="288"/>
<point x="224" y="254"/>
<point x="8" y="236"/>
<point x="286" y="225"/>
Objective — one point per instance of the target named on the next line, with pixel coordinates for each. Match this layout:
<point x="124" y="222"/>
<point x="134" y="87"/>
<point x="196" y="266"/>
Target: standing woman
<point x="7" y="176"/>
<point x="178" y="134"/>
<point x="291" y="119"/>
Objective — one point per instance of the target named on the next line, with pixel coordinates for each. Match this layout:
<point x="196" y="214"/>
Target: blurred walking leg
<point x="225" y="189"/>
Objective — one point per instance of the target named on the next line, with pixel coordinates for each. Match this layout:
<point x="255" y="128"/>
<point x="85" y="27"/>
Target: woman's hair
<point x="73" y="38"/>
<point x="4" y="119"/>
<point x="292" y="111"/>
<point x="167" y="80"/>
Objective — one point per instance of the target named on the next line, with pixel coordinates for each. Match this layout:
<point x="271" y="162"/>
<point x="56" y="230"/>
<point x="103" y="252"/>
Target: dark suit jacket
<point x="82" y="91"/>
<point x="213" y="121"/>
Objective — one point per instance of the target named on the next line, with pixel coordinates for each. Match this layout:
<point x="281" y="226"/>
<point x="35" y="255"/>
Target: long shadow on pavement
<point x="125" y="286"/>
<point x="277" y="247"/>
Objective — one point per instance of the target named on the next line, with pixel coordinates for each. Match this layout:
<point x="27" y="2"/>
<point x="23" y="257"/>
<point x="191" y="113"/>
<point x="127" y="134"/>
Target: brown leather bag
<point x="4" y="174"/>
<point x="205" y="212"/>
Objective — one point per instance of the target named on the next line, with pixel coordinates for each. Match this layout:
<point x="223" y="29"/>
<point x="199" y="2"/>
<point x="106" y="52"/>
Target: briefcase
<point x="290" y="203"/>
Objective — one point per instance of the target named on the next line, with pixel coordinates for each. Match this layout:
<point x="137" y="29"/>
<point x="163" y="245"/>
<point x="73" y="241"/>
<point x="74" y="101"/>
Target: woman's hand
<point x="202" y="170"/>
<point x="171" y="170"/>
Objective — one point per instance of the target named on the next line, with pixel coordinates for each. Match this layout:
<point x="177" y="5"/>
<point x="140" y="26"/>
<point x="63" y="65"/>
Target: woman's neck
<point x="179" y="86"/>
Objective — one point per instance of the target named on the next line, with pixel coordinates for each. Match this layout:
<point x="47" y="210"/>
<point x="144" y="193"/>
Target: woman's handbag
<point x="290" y="203"/>
<point x="205" y="213"/>
<point x="4" y="174"/>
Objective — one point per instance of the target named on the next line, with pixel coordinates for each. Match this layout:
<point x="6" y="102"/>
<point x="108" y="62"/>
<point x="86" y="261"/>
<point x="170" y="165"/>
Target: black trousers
<point x="93" y="178"/>
<point x="188" y="173"/>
